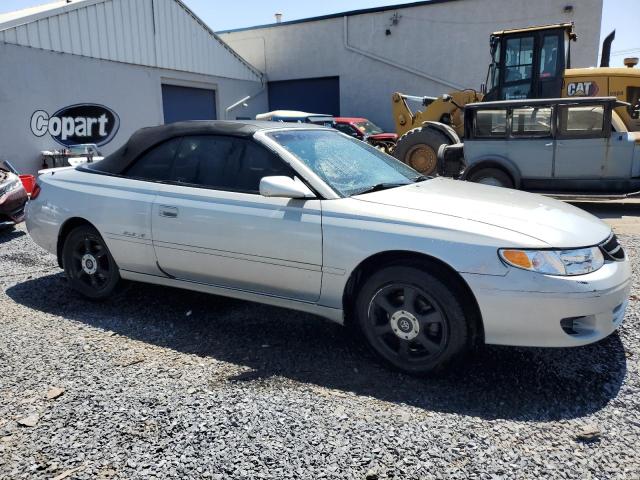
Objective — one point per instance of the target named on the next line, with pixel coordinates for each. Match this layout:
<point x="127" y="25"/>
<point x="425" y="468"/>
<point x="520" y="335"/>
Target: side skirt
<point x="333" y="314"/>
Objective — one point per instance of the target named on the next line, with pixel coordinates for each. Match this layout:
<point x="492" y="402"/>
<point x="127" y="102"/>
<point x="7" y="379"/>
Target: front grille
<point x="611" y="249"/>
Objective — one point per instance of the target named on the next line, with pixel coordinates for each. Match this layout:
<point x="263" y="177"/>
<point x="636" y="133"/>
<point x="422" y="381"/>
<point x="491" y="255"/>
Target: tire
<point x="88" y="264"/>
<point x="412" y="320"/>
<point x="419" y="147"/>
<point x="492" y="176"/>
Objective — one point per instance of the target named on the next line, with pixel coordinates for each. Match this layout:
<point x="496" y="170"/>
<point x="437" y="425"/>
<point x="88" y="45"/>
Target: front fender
<point x="446" y="129"/>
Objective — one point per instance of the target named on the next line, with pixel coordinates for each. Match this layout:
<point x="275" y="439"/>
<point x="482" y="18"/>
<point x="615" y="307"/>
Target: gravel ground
<point x="172" y="384"/>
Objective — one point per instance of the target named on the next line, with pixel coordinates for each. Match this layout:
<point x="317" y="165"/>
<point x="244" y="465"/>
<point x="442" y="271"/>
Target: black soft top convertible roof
<point x="145" y="138"/>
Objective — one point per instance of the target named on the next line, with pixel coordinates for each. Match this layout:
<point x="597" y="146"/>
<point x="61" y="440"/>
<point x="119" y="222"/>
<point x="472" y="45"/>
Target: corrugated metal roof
<point x="155" y="33"/>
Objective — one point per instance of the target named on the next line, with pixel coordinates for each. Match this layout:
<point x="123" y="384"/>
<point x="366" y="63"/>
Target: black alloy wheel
<point x="89" y="265"/>
<point x="412" y="320"/>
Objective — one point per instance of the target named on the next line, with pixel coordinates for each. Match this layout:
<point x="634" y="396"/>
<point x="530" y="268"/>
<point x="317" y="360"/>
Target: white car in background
<point x="308" y="218"/>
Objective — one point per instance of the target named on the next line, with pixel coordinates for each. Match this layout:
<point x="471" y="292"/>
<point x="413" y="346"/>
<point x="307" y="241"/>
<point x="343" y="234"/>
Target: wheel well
<point x="67" y="227"/>
<point x="498" y="165"/>
<point x="435" y="267"/>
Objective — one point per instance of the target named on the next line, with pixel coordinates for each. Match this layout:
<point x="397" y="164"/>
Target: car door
<point x="582" y="141"/>
<point x="211" y="225"/>
<point x="125" y="219"/>
<point x="531" y="144"/>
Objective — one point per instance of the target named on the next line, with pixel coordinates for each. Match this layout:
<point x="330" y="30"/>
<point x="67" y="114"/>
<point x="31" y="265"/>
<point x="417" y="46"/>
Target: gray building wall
<point x="432" y="49"/>
<point x="33" y="79"/>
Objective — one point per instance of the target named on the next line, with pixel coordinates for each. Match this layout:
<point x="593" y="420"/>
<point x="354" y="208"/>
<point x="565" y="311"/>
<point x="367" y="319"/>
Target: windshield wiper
<point x="421" y="178"/>
<point x="380" y="186"/>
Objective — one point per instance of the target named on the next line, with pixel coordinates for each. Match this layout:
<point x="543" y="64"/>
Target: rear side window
<point x="531" y="122"/>
<point x="207" y="160"/>
<point x="581" y="120"/>
<point x="155" y="164"/>
<point x="491" y="123"/>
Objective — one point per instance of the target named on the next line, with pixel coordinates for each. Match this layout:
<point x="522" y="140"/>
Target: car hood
<point x="555" y="223"/>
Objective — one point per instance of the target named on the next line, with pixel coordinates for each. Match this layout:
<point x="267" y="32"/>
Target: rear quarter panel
<point x="119" y="208"/>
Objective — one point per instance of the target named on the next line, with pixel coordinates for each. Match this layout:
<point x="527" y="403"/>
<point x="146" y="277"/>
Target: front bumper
<point x="12" y="207"/>
<point x="534" y="310"/>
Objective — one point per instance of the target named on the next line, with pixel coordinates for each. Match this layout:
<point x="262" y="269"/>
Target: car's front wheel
<point x="90" y="268"/>
<point x="412" y="320"/>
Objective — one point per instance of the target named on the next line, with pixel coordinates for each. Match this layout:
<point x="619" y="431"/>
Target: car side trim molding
<point x="333" y="314"/>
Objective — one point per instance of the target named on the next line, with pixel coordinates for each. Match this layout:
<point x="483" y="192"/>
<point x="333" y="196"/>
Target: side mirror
<point x="284" y="187"/>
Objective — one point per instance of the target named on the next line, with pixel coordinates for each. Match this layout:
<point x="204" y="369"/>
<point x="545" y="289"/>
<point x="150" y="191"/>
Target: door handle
<point x="548" y="144"/>
<point x="167" y="211"/>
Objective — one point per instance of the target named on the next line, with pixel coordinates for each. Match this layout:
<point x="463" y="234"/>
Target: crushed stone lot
<point x="165" y="383"/>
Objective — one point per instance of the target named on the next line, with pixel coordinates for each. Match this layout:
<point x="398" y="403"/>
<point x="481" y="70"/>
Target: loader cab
<point x="529" y="63"/>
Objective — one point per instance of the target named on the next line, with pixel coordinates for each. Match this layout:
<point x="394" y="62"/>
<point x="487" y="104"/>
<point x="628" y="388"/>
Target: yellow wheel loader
<point x="526" y="63"/>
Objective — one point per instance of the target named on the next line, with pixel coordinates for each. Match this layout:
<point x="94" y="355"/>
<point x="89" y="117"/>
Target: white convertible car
<point x="308" y="218"/>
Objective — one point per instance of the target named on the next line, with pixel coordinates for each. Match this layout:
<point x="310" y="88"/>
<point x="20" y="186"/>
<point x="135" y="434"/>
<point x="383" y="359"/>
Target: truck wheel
<point x="418" y="148"/>
<point x="492" y="176"/>
<point x="412" y="320"/>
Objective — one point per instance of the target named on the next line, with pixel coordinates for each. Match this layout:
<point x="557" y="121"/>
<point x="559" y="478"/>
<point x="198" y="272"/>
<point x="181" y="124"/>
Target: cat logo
<point x="582" y="89"/>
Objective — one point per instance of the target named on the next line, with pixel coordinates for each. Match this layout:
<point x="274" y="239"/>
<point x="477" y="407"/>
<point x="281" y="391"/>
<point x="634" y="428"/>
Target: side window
<point x="518" y="68"/>
<point x="531" y="122"/>
<point x="207" y="160"/>
<point x="258" y="162"/>
<point x="155" y="164"/>
<point x="633" y="97"/>
<point x="491" y="123"/>
<point x="581" y="120"/>
<point x="344" y="128"/>
<point x="549" y="57"/>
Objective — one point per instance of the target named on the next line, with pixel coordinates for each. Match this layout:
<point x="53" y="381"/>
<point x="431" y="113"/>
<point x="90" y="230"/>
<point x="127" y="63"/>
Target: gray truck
<point x="563" y="145"/>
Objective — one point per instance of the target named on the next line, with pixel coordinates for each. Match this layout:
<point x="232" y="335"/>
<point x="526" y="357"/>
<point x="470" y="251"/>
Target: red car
<point x="365" y="130"/>
<point x="13" y="198"/>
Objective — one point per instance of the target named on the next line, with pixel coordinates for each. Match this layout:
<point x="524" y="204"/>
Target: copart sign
<point x="81" y="123"/>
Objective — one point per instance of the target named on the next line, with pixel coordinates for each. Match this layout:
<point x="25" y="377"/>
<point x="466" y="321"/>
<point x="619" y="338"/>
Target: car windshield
<point x="369" y="128"/>
<point x="347" y="165"/>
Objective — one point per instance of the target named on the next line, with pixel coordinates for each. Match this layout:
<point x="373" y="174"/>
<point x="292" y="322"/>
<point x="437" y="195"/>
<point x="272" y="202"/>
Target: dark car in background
<point x="366" y="130"/>
<point x="13" y="197"/>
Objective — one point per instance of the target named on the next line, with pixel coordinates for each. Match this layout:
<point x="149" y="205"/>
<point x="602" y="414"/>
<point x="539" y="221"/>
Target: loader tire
<point x="418" y="148"/>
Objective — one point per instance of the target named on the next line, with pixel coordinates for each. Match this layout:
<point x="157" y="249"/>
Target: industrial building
<point x="350" y="63"/>
<point x="94" y="71"/>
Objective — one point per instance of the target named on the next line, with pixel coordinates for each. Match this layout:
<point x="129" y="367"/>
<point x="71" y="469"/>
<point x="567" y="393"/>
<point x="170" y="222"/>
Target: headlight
<point x="555" y="262"/>
<point x="10" y="186"/>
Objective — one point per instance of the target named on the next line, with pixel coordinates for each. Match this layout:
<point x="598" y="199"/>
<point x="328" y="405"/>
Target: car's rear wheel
<point x="90" y="268"/>
<point x="492" y="176"/>
<point x="412" y="320"/>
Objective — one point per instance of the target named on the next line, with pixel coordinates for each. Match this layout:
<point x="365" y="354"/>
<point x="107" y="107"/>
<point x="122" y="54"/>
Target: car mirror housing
<point x="284" y="187"/>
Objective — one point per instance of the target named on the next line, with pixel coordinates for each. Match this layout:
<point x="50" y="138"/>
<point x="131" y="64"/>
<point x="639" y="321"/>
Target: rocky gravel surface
<point x="172" y="384"/>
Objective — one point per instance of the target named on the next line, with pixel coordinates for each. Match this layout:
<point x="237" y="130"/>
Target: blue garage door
<point x="185" y="103"/>
<point x="313" y="95"/>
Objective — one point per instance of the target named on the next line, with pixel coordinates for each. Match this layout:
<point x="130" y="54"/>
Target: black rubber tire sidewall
<point x="448" y="300"/>
<point x="503" y="177"/>
<point x="74" y="236"/>
<point x="417" y="136"/>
